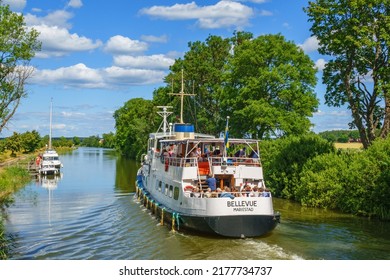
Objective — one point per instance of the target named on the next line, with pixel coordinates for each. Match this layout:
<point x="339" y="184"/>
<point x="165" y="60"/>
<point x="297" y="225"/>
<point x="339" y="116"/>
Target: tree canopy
<point x="18" y="45"/>
<point x="356" y="34"/>
<point x="265" y="84"/>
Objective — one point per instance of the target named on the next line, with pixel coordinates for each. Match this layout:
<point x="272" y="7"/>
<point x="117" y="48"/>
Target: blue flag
<point x="227" y="133"/>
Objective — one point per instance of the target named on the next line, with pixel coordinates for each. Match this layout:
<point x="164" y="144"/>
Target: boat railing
<point x="210" y="161"/>
<point x="234" y="161"/>
<point x="231" y="195"/>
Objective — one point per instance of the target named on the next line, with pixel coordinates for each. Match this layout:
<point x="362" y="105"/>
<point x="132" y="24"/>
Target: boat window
<point x="176" y="193"/>
<point x="170" y="191"/>
<point x="166" y="189"/>
<point x="159" y="185"/>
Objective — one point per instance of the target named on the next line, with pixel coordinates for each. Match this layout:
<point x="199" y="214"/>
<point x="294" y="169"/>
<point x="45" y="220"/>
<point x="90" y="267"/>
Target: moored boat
<point x="190" y="181"/>
<point x="49" y="162"/>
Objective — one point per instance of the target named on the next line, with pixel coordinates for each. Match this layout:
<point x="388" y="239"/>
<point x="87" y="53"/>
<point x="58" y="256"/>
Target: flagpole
<point x="226" y="142"/>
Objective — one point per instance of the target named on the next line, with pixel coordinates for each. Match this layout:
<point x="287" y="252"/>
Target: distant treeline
<point x="341" y="136"/>
<point x="31" y="141"/>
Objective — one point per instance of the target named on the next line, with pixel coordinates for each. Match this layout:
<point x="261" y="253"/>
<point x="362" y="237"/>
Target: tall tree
<point x="203" y="65"/>
<point x="18" y="45"/>
<point x="356" y="34"/>
<point x="133" y="122"/>
<point x="271" y="88"/>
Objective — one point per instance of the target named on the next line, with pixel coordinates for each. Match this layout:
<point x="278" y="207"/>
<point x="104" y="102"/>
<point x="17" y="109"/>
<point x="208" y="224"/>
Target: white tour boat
<point x="173" y="182"/>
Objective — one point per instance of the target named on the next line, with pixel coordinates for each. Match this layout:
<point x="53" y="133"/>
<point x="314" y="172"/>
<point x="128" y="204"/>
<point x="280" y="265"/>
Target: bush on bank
<point x="312" y="173"/>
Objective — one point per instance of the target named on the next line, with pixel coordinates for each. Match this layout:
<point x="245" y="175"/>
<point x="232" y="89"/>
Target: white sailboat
<point x="50" y="163"/>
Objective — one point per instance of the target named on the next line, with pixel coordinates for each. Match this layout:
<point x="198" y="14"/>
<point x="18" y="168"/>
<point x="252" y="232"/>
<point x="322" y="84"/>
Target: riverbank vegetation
<point x="11" y="179"/>
<point x="311" y="171"/>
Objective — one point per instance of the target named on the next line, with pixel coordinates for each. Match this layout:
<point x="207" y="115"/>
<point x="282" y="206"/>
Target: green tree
<point x="62" y="142"/>
<point x="76" y="141"/>
<point x="356" y="34"/>
<point x="271" y="88"/>
<point x="30" y="141"/>
<point x="203" y="66"/>
<point x="18" y="45"/>
<point x="109" y="140"/>
<point x="14" y="143"/>
<point x="134" y="121"/>
<point x="91" y="141"/>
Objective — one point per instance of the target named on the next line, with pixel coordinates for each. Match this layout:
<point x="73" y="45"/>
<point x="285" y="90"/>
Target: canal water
<point x="90" y="212"/>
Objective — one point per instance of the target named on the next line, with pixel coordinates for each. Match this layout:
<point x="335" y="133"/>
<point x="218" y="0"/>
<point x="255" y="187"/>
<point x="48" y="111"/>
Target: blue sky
<point x="96" y="55"/>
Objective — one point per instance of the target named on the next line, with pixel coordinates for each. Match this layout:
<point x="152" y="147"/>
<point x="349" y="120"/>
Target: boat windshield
<point x="50" y="158"/>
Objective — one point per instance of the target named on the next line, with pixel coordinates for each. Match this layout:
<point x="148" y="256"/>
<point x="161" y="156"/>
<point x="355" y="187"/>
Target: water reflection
<point x="50" y="183"/>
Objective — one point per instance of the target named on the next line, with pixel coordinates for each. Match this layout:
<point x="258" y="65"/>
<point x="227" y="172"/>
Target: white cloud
<point x="155" y="39"/>
<point x="320" y="64"/>
<point x="57" y="18"/>
<point x="15" y="4"/>
<point x="75" y="3"/>
<point x="222" y="14"/>
<point x="124" y="45"/>
<point x="81" y="76"/>
<point x="58" y="41"/>
<point x="311" y="44"/>
<point x="123" y="76"/>
<point x="78" y="75"/>
<point x="157" y="61"/>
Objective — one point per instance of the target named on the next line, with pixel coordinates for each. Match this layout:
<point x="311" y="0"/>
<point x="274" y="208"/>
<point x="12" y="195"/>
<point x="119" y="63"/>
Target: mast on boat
<point x="51" y="111"/>
<point x="181" y="94"/>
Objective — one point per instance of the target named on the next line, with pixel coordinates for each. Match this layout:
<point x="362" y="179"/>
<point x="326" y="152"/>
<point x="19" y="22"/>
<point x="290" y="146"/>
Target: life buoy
<point x="188" y="188"/>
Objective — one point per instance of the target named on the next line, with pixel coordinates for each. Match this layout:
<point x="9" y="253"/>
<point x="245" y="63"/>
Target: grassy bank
<point x="12" y="178"/>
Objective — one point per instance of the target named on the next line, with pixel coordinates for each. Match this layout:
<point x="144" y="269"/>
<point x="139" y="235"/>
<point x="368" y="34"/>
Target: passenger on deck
<point x="255" y="191"/>
<point x="195" y="192"/>
<point x="199" y="154"/>
<point x="247" y="190"/>
<point x="211" y="182"/>
<point x="226" y="193"/>
<point x="207" y="194"/>
<point x="243" y="152"/>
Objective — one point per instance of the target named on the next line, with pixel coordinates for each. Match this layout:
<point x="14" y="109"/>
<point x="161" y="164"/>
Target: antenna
<point x="164" y="113"/>
<point x="182" y="94"/>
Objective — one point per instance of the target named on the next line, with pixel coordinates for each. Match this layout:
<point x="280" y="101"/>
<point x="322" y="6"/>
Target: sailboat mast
<point x="51" y="111"/>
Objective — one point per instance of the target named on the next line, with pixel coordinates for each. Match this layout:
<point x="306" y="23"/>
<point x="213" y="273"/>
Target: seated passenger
<point x="226" y="193"/>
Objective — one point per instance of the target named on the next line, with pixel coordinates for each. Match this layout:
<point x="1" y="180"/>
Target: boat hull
<point x="232" y="226"/>
<point x="237" y="226"/>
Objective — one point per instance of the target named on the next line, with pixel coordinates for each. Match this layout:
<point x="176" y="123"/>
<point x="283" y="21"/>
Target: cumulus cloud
<point x="222" y="14"/>
<point x="17" y="5"/>
<point x="57" y="41"/>
<point x="320" y="64"/>
<point x="57" y="18"/>
<point x="157" y="61"/>
<point x="75" y="3"/>
<point x="81" y="76"/>
<point x="311" y="44"/>
<point x="123" y="45"/>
